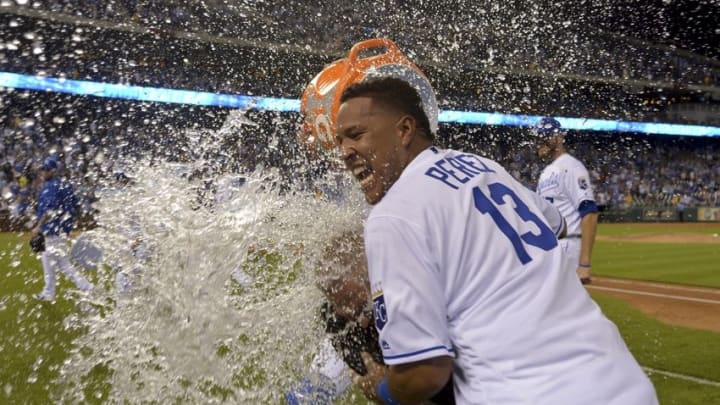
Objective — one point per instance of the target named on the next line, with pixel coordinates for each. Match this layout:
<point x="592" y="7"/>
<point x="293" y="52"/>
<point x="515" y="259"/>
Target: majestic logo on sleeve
<point x="379" y="310"/>
<point x="583" y="183"/>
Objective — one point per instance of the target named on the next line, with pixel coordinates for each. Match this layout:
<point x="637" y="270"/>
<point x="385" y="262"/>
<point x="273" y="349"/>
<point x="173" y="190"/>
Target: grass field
<point x="682" y="263"/>
<point x="34" y="342"/>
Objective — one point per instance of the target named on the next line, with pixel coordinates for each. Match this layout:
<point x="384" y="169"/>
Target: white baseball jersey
<point x="464" y="262"/>
<point x="566" y="183"/>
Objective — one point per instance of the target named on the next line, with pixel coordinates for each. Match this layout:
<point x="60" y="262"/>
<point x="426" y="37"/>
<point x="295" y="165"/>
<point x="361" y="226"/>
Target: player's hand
<point x="368" y="383"/>
<point x="583" y="273"/>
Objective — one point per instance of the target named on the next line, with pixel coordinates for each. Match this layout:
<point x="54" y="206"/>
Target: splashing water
<point x="186" y="330"/>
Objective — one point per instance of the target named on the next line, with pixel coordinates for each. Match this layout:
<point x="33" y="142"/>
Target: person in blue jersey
<point x="466" y="275"/>
<point x="565" y="182"/>
<point x="57" y="212"/>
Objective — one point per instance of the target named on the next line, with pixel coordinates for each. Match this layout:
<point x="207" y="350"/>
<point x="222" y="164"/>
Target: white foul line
<point x="661" y="285"/>
<point x="682" y="376"/>
<point x="674" y="297"/>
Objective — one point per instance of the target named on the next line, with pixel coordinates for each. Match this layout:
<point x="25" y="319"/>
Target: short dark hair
<point x="394" y="93"/>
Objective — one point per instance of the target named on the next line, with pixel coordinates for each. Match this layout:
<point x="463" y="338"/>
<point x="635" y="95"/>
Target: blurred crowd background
<point x="479" y="56"/>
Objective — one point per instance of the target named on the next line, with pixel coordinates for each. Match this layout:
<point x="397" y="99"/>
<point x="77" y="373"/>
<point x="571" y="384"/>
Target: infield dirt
<point x="690" y="306"/>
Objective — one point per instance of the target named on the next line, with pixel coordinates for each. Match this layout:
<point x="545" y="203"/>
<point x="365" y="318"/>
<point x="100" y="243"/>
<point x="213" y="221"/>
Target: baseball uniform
<point x="566" y="184"/>
<point x="57" y="202"/>
<point x="464" y="262"/>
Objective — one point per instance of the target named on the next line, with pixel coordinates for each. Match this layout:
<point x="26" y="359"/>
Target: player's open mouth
<point x="363" y="174"/>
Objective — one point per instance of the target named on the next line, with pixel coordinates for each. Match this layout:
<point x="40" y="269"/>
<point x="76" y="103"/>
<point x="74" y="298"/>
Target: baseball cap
<point x="548" y="126"/>
<point x="321" y="97"/>
<point x="49" y="164"/>
<point x="119" y="176"/>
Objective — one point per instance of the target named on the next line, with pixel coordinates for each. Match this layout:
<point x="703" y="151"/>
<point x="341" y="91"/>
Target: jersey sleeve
<point x="408" y="298"/>
<point x="577" y="184"/>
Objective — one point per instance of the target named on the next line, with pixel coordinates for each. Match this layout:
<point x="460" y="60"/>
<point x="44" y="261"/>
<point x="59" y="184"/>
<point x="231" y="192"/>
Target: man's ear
<point x="406" y="129"/>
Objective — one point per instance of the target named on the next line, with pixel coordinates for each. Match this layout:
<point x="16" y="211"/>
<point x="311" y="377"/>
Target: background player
<point x="565" y="182"/>
<point x="466" y="274"/>
<point x="57" y="211"/>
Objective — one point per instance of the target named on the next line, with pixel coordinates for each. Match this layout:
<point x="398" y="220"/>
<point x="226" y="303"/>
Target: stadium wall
<point x="645" y="214"/>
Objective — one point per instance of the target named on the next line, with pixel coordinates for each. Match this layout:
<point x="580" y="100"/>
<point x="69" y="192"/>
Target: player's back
<point x="524" y="331"/>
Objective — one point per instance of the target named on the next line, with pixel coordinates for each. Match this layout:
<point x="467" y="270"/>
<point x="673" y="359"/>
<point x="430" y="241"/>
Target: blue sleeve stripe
<point x="400" y="356"/>
<point x="587" y="207"/>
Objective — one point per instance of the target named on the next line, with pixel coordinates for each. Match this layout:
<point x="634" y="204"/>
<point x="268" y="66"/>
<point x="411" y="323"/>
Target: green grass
<point x="34" y="339"/>
<point x="35" y="343"/>
<point x="679" y="350"/>
<point x="681" y="263"/>
<point x="657" y="228"/>
<point x="662" y="346"/>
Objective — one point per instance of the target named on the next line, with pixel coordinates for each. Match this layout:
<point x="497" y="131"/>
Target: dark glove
<point x="37" y="243"/>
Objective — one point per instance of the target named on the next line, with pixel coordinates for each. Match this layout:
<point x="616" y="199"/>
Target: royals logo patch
<point x="583" y="183"/>
<point x="379" y="310"/>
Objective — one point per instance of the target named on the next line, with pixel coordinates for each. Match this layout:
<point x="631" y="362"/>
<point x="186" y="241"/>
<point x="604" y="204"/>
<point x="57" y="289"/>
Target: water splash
<point x="186" y="330"/>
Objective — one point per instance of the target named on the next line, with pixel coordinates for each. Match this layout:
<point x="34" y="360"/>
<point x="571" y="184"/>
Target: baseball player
<point x="565" y="182"/>
<point x="56" y="214"/>
<point x="466" y="273"/>
<point x="128" y="260"/>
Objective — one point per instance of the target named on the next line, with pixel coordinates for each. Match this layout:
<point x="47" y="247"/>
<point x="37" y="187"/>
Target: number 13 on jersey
<point x="545" y="240"/>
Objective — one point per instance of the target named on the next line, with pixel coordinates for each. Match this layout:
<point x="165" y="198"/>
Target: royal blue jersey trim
<point x="400" y="356"/>
<point x="587" y="207"/>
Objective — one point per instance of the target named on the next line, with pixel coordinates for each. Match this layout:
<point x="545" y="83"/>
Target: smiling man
<point x="466" y="274"/>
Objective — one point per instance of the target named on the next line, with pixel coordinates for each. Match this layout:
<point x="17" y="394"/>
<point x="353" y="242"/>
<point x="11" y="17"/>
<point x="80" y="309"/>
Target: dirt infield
<point x="695" y="307"/>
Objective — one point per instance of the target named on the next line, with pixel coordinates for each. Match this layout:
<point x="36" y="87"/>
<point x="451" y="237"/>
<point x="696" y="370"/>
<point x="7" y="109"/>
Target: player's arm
<point x="588" y="224"/>
<point x="40" y="222"/>
<point x="44" y="214"/>
<point x="410" y="383"/>
<point x="416" y="382"/>
<point x="580" y="192"/>
<point x="410" y="314"/>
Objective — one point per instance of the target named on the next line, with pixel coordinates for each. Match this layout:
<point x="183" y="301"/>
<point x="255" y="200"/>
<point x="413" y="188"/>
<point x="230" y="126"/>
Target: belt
<point x="574" y="236"/>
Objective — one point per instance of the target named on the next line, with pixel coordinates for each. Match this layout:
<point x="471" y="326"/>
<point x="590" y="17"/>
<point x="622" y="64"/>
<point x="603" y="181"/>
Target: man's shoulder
<point x="408" y="205"/>
<point x="392" y="205"/>
<point x="570" y="162"/>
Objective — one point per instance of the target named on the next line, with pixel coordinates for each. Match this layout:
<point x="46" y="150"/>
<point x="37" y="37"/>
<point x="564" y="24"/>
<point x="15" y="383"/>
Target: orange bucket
<point x="321" y="99"/>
